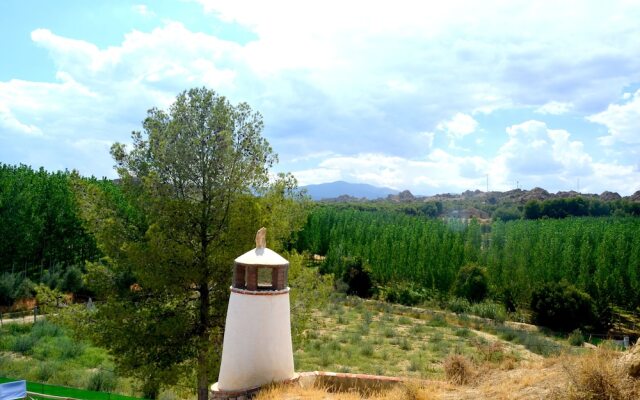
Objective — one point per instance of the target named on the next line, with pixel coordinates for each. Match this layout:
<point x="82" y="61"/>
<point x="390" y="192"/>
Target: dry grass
<point x="596" y="376"/>
<point x="458" y="369"/>
<point x="406" y="391"/>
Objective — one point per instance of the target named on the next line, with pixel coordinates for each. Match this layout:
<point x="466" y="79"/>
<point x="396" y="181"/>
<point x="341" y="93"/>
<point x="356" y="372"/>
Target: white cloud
<point x="622" y="120"/>
<point x="533" y="154"/>
<point x="459" y="126"/>
<point x="535" y="150"/>
<point x="554" y="108"/>
<point x="9" y="122"/>
<point x="375" y="79"/>
<point x="481" y="55"/>
<point x="317" y="175"/>
<point x="438" y="171"/>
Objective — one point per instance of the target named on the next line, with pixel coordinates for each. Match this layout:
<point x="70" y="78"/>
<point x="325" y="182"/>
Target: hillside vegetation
<point x="423" y="256"/>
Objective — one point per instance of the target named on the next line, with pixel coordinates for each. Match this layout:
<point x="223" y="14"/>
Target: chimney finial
<point x="261" y="238"/>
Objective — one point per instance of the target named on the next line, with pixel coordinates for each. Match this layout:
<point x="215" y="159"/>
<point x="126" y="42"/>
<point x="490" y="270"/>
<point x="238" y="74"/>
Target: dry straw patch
<point x="459" y="370"/>
<point x="598" y="376"/>
<point x="405" y="391"/>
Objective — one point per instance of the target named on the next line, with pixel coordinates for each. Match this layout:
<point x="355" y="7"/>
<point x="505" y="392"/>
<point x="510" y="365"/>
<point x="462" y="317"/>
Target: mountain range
<point x="345" y="191"/>
<point x="335" y="190"/>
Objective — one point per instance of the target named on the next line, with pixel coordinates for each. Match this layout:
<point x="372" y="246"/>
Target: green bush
<point x="102" y="381"/>
<point x="576" y="338"/>
<point x="14" y="287"/>
<point x="358" y="277"/>
<point x="44" y="371"/>
<point x="490" y="310"/>
<point x="471" y="283"/>
<point x="458" y="305"/>
<point x="23" y="344"/>
<point x="70" y="349"/>
<point x="71" y="280"/>
<point x="561" y="306"/>
<point x="45" y="329"/>
<point x="408" y="294"/>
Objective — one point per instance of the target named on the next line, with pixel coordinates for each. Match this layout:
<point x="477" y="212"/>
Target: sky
<point x="429" y="96"/>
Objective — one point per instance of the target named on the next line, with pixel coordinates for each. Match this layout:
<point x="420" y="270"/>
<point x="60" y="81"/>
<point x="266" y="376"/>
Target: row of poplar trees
<point x="601" y="256"/>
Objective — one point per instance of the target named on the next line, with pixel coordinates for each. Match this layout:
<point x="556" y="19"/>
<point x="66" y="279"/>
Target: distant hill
<point x="334" y="190"/>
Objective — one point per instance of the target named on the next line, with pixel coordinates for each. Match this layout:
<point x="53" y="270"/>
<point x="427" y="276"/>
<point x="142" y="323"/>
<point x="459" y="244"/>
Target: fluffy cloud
<point x="533" y="155"/>
<point x="459" y="126"/>
<point x="622" y="120"/>
<point x="372" y="81"/>
<point x="439" y="171"/>
<point x="534" y="149"/>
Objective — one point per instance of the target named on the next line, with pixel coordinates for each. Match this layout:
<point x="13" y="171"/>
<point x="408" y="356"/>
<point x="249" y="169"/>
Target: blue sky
<point x="425" y="96"/>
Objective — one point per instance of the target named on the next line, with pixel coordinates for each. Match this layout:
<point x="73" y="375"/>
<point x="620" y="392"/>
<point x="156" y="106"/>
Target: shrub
<point x="388" y="332"/>
<point x="7" y="283"/>
<point x="576" y="338"/>
<point x="14" y="287"/>
<point x="23" y="344"/>
<point x="404" y="293"/>
<point x="458" y="305"/>
<point x="437" y="321"/>
<point x="458" y="369"/>
<point x="490" y="310"/>
<point x="596" y="377"/>
<point x="358" y="277"/>
<point x="70" y="349"/>
<point x="366" y="349"/>
<point x="471" y="283"/>
<point x="45" y="329"/>
<point x="561" y="306"/>
<point x="71" y="280"/>
<point x="44" y="371"/>
<point x="102" y="381"/>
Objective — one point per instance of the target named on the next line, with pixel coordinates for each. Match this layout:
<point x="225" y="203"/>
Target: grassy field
<point x="351" y="335"/>
<point x="360" y="336"/>
<point x="45" y="353"/>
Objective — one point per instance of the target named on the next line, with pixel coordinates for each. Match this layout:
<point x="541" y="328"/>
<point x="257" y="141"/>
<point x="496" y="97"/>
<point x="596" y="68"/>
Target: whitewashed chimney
<point x="257" y="347"/>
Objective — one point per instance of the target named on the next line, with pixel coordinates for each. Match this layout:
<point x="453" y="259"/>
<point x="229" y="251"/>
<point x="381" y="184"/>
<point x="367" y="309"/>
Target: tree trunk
<point x="203" y="364"/>
<point x="151" y="389"/>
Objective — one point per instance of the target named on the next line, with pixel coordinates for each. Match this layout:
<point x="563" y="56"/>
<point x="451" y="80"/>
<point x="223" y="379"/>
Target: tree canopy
<point x="195" y="189"/>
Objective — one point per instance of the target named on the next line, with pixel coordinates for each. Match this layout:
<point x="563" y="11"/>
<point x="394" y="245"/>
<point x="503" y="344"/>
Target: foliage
<point x="185" y="208"/>
<point x="561" y="306"/>
<point x="597" y="255"/>
<point x="398" y="248"/>
<point x="471" y="283"/>
<point x="102" y="381"/>
<point x="40" y="224"/>
<point x="48" y="299"/>
<point x="505" y="213"/>
<point x="14" y="287"/>
<point x="579" y="207"/>
<point x="489" y="309"/>
<point x="576" y="338"/>
<point x="406" y="293"/>
<point x="357" y="277"/>
<point x="310" y="292"/>
<point x="56" y="358"/>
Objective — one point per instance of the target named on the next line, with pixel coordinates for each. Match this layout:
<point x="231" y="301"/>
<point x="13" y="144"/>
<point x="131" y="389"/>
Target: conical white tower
<point x="257" y="346"/>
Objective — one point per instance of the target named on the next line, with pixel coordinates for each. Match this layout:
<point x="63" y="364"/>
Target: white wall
<point x="257" y="342"/>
